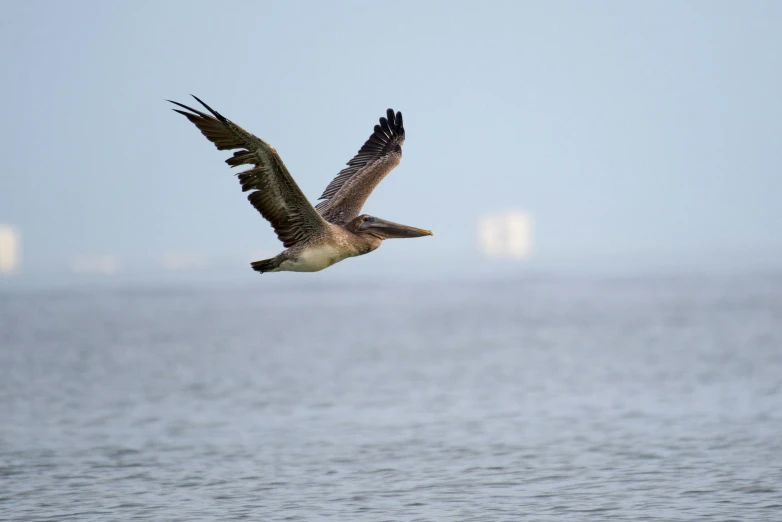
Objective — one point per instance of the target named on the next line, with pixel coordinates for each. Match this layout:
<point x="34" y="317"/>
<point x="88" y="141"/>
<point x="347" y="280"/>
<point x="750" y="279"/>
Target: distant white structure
<point x="506" y="235"/>
<point x="178" y="261"/>
<point x="10" y="249"/>
<point x="103" y="265"/>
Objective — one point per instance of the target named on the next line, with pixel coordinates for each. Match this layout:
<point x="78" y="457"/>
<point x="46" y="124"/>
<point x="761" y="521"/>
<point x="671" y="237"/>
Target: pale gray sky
<point x="642" y="132"/>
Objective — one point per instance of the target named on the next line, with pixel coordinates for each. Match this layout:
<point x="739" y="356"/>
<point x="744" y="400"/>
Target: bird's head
<point x="365" y="225"/>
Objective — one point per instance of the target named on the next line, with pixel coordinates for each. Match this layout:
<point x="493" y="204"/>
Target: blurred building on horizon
<point x="101" y="264"/>
<point x="10" y="249"/>
<point x="506" y="235"/>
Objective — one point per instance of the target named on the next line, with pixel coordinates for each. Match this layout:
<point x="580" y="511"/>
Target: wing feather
<point x="349" y="190"/>
<point x="272" y="190"/>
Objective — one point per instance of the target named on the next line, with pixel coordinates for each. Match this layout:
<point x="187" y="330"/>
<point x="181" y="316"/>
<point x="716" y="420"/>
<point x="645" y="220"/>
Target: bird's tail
<point x="265" y="265"/>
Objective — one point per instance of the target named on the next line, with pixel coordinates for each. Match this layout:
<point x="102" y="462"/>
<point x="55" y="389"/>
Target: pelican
<point x="314" y="237"/>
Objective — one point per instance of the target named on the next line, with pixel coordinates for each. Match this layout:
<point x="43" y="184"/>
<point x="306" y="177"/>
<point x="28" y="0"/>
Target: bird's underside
<point x="315" y="237"/>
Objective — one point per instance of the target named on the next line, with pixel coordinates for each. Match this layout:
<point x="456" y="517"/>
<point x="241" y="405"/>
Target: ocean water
<point x="549" y="399"/>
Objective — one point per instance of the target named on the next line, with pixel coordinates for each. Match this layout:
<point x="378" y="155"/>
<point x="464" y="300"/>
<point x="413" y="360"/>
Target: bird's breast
<point x="316" y="257"/>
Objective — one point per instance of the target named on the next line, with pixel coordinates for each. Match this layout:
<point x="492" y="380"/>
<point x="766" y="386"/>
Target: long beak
<point x="389" y="229"/>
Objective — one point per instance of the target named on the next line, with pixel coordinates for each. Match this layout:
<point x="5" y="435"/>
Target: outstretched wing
<point x="348" y="192"/>
<point x="273" y="192"/>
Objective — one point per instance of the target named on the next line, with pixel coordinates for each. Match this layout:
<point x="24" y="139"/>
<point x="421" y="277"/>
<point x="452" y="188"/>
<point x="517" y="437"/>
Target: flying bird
<point x="320" y="236"/>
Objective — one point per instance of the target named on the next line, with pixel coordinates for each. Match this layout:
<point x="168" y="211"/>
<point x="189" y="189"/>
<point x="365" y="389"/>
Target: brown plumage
<point x="273" y="192"/>
<point x="315" y="237"/>
<point x="348" y="192"/>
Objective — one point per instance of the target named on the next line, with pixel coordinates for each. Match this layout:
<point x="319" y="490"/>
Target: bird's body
<point x="315" y="237"/>
<point x="315" y="255"/>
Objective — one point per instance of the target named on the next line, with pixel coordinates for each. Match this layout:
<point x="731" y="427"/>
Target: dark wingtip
<point x="386" y="127"/>
<point x="214" y="112"/>
<point x="192" y="110"/>
<point x="394" y="120"/>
